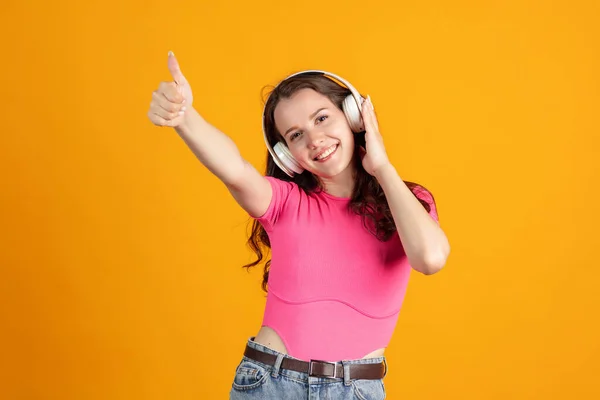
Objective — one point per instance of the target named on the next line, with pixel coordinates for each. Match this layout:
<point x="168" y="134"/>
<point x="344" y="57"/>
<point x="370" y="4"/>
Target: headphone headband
<point x="292" y="166"/>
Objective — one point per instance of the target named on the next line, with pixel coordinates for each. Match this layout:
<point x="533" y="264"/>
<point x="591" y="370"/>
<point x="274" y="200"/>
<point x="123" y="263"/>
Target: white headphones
<point x="352" y="109"/>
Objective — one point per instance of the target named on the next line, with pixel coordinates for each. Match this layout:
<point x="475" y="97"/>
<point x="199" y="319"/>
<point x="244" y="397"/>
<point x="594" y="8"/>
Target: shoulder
<point x="282" y="188"/>
<point x="423" y="193"/>
<point x="425" y="197"/>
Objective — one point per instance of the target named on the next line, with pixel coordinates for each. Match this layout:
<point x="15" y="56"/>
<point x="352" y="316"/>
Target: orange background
<point x="120" y="258"/>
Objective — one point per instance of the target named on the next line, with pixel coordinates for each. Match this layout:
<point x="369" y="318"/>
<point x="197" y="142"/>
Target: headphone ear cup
<point x="353" y="115"/>
<point x="288" y="161"/>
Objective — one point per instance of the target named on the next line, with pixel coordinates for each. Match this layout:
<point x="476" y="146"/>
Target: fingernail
<point x="181" y="112"/>
<point x="183" y="108"/>
<point x="170" y="53"/>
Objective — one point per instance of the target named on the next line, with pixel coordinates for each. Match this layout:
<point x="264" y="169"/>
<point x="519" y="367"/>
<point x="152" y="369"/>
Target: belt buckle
<point x="333" y="364"/>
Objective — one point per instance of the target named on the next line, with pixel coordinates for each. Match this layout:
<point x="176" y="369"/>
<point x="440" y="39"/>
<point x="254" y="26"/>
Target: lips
<point x="326" y="153"/>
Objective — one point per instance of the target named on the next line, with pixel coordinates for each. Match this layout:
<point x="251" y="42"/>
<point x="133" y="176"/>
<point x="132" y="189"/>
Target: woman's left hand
<point x="374" y="156"/>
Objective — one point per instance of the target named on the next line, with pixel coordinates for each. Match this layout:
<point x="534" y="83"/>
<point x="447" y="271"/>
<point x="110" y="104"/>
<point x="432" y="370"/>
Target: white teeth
<point x="326" y="152"/>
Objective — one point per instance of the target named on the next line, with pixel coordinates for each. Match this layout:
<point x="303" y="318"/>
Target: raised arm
<point x="172" y="106"/>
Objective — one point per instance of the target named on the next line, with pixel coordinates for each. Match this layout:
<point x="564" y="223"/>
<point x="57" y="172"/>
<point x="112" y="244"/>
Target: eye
<point x="295" y="135"/>
<point x="322" y="118"/>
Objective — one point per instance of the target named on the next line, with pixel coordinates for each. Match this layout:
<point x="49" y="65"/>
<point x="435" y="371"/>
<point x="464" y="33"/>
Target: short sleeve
<point x="426" y="196"/>
<point x="281" y="192"/>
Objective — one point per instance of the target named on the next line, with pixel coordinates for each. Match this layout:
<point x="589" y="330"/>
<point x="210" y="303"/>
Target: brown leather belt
<point x="318" y="368"/>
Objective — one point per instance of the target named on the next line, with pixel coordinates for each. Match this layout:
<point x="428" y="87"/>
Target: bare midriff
<point x="269" y="338"/>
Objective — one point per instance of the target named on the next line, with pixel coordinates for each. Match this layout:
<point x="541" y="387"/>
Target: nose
<point x="315" y="138"/>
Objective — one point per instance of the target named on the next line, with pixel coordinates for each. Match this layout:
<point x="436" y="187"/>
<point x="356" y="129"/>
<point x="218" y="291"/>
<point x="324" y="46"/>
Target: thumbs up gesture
<point x="172" y="99"/>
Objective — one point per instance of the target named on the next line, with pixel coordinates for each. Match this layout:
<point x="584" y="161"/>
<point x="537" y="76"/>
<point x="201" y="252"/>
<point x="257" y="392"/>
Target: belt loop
<point x="277" y="365"/>
<point x="346" y="366"/>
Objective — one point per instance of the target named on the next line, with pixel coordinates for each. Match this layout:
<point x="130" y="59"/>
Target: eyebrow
<point x="310" y="117"/>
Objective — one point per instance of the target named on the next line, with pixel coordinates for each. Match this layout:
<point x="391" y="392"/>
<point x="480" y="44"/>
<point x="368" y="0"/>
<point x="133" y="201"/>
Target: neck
<point x="340" y="185"/>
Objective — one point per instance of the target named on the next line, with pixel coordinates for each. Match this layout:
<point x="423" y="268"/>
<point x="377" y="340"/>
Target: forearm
<point x="425" y="244"/>
<point x="215" y="150"/>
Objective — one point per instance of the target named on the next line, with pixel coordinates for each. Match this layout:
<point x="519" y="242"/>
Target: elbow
<point x="430" y="268"/>
<point x="434" y="262"/>
<point x="236" y="174"/>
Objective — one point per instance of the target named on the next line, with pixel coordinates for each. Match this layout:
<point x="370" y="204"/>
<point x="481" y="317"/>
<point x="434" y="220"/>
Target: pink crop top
<point x="335" y="290"/>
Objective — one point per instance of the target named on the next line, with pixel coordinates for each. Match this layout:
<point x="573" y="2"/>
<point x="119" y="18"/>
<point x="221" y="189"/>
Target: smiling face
<point x="316" y="132"/>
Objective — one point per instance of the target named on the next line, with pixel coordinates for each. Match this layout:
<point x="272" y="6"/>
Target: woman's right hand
<point x="171" y="100"/>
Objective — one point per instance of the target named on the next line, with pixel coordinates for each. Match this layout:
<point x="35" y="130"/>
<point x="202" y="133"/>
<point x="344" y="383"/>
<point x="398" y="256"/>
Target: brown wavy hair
<point x="368" y="199"/>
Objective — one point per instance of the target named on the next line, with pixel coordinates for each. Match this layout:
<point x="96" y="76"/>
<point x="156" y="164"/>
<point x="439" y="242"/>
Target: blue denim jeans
<point x="255" y="380"/>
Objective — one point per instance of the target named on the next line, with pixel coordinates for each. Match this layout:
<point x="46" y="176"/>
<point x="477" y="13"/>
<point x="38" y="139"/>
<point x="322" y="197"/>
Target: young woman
<point x="343" y="228"/>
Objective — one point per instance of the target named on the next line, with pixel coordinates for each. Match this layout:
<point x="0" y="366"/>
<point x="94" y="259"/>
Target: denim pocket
<point x="249" y="375"/>
<point x="369" y="389"/>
